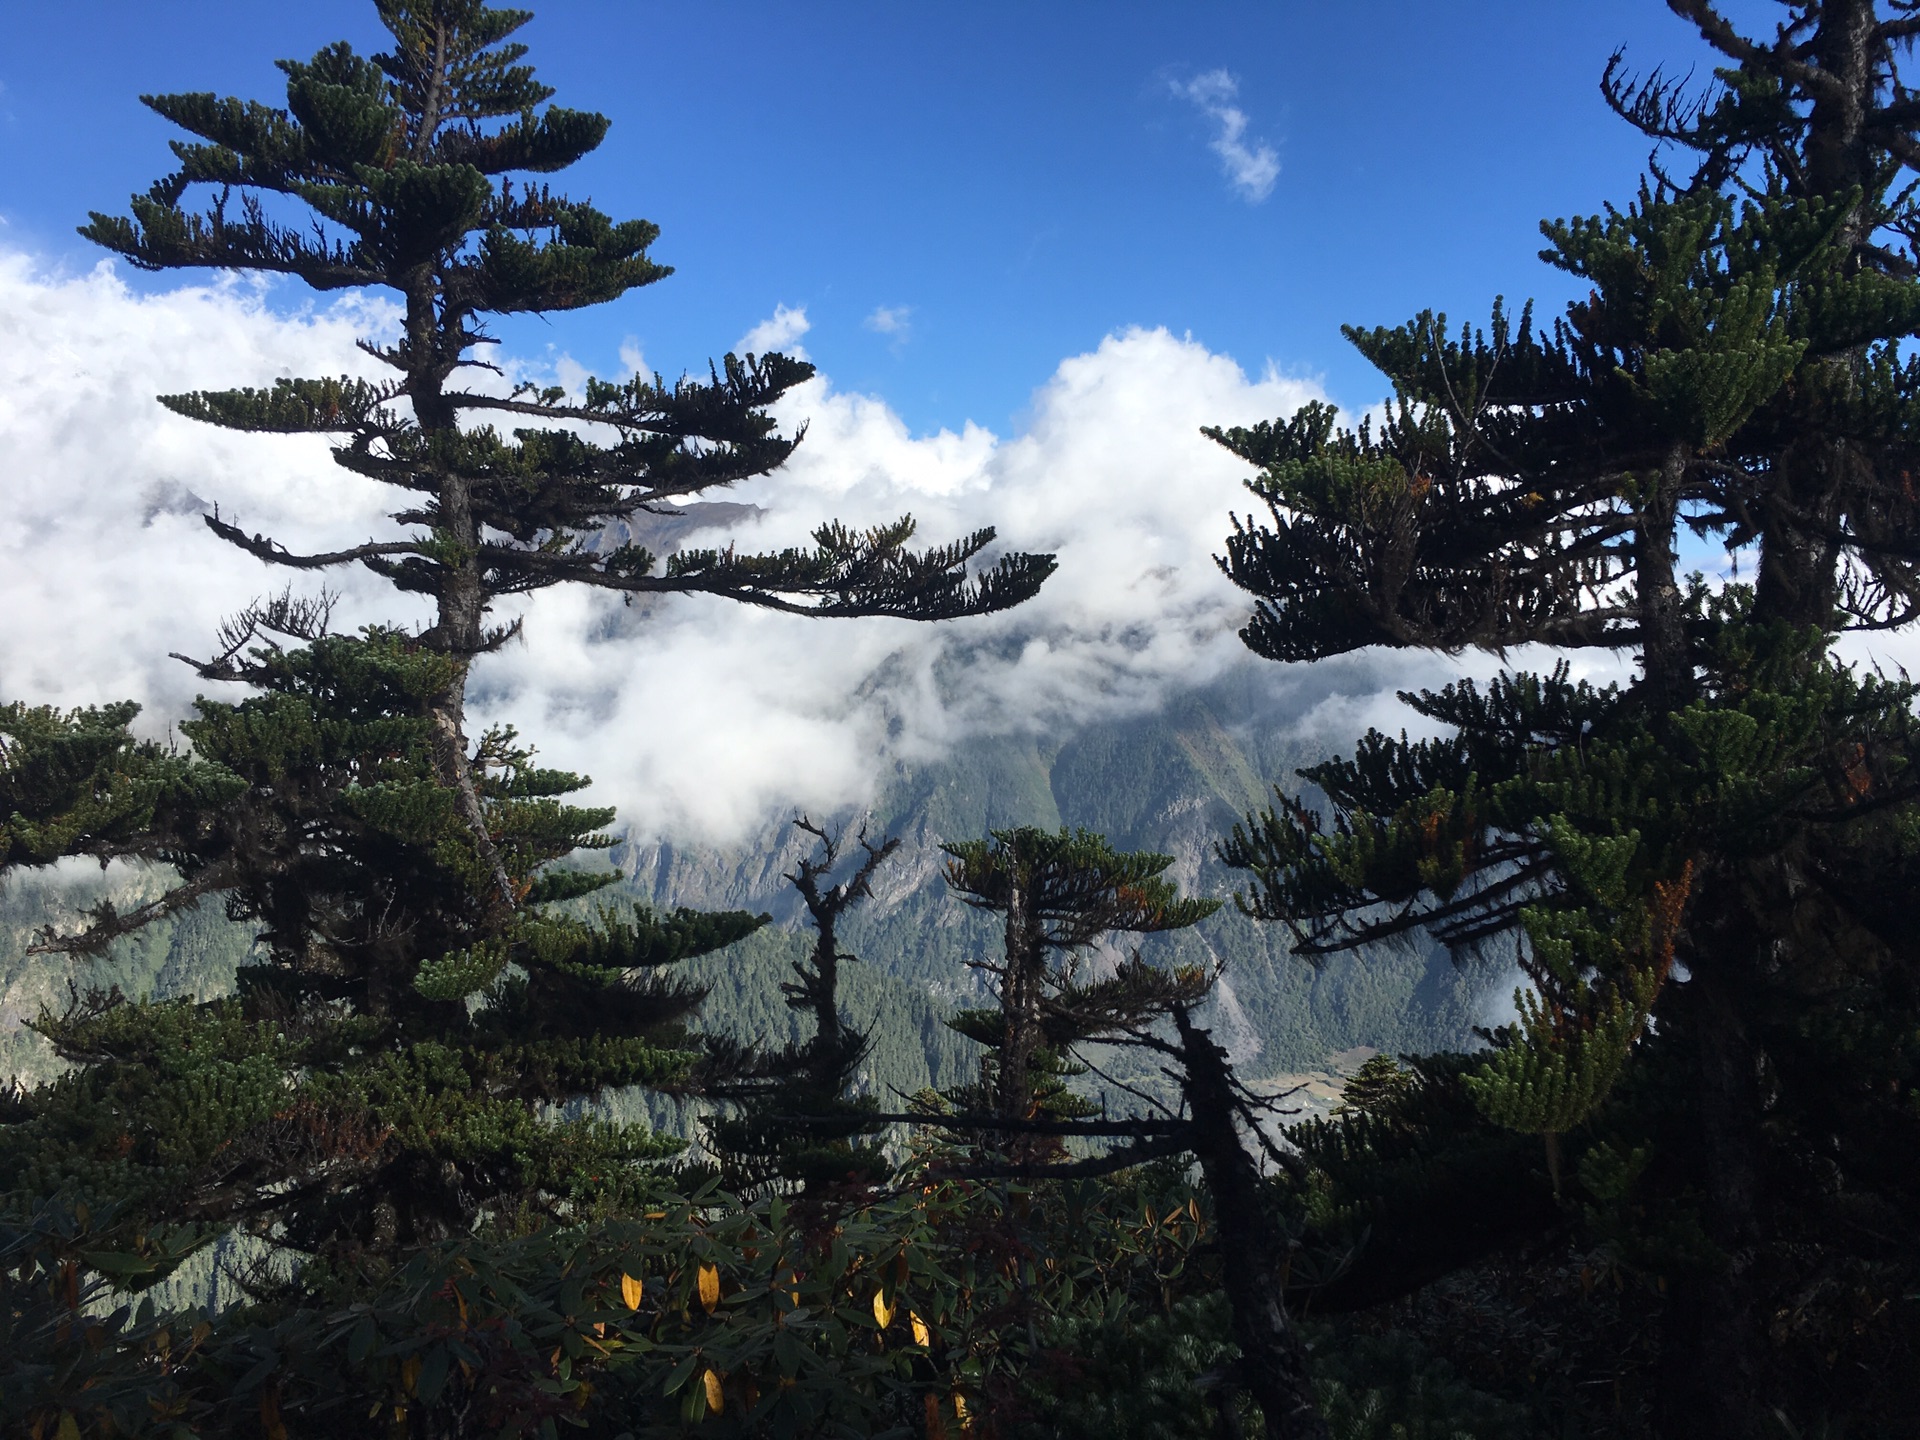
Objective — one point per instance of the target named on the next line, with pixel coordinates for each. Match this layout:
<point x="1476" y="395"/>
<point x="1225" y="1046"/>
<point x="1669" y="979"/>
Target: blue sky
<point x="1037" y="246"/>
<point x="1008" y="182"/>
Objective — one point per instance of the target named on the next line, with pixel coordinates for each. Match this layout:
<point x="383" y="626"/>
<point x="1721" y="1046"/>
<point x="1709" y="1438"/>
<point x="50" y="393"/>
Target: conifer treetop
<point x="397" y="152"/>
<point x="1071" y="887"/>
<point x="405" y="167"/>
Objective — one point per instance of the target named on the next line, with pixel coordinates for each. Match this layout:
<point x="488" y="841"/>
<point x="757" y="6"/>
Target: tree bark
<point x="1666" y="659"/>
<point x="1020" y="1002"/>
<point x="1273" y="1357"/>
<point x="461" y="602"/>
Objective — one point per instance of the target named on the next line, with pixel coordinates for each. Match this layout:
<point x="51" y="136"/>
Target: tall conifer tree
<point x="390" y="1069"/>
<point x="1694" y="863"/>
<point x="404" y="163"/>
<point x="1060" y="893"/>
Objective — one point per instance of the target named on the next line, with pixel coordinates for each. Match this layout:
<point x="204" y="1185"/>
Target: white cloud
<point x="1250" y="168"/>
<point x="781" y="332"/>
<point x="743" y="712"/>
<point x="104" y="563"/>
<point x="894" y="320"/>
<point x="697" y="718"/>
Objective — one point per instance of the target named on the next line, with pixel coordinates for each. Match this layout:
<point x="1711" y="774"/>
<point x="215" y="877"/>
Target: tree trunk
<point x="1020" y="1003"/>
<point x="1798" y="573"/>
<point x="1273" y="1358"/>
<point x="825" y="995"/>
<point x="1666" y="658"/>
<point x="460" y="618"/>
<point x="1708" y="1365"/>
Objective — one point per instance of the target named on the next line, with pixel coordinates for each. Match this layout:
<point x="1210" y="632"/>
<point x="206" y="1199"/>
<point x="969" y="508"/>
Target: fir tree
<point x="1736" y="371"/>
<point x="379" y="1078"/>
<point x="405" y="162"/>
<point x="392" y="1067"/>
<point x="797" y="1121"/>
<point x="1059" y="894"/>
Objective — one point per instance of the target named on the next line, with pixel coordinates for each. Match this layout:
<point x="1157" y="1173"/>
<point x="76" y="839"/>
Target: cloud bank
<point x="1251" y="169"/>
<point x="699" y="719"/>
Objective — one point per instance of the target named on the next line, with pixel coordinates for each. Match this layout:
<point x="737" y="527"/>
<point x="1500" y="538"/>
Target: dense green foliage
<point x="953" y="1308"/>
<point x="415" y="1106"/>
<point x="1694" y="867"/>
<point x="1675" y="1195"/>
<point x="78" y="783"/>
<point x="413" y="1012"/>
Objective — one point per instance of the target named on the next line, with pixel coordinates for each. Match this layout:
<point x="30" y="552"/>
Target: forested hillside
<point x="1172" y="781"/>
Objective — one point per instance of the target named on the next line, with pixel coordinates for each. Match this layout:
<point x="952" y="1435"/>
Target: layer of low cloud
<point x="1251" y="167"/>
<point x="699" y="719"/>
<point x="105" y="565"/>
<point x="699" y="715"/>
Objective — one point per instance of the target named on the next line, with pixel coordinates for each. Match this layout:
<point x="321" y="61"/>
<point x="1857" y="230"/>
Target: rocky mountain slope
<point x="1172" y="781"/>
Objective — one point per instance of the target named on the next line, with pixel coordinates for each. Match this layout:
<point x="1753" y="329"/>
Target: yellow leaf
<point x="960" y="1407"/>
<point x="630" y="1291"/>
<point x="69" y="1427"/>
<point x="716" y="1398"/>
<point x="409" y="1373"/>
<point x="709" y="1288"/>
<point x="882" y="1311"/>
<point x="921" y="1334"/>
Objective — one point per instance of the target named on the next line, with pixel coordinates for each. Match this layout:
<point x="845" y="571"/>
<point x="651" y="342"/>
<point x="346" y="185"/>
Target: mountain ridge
<point x="1172" y="780"/>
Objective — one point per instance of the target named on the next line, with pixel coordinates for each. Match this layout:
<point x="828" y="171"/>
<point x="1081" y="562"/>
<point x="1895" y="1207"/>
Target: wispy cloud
<point x="780" y="331"/>
<point x="894" y="320"/>
<point x="1250" y="168"/>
